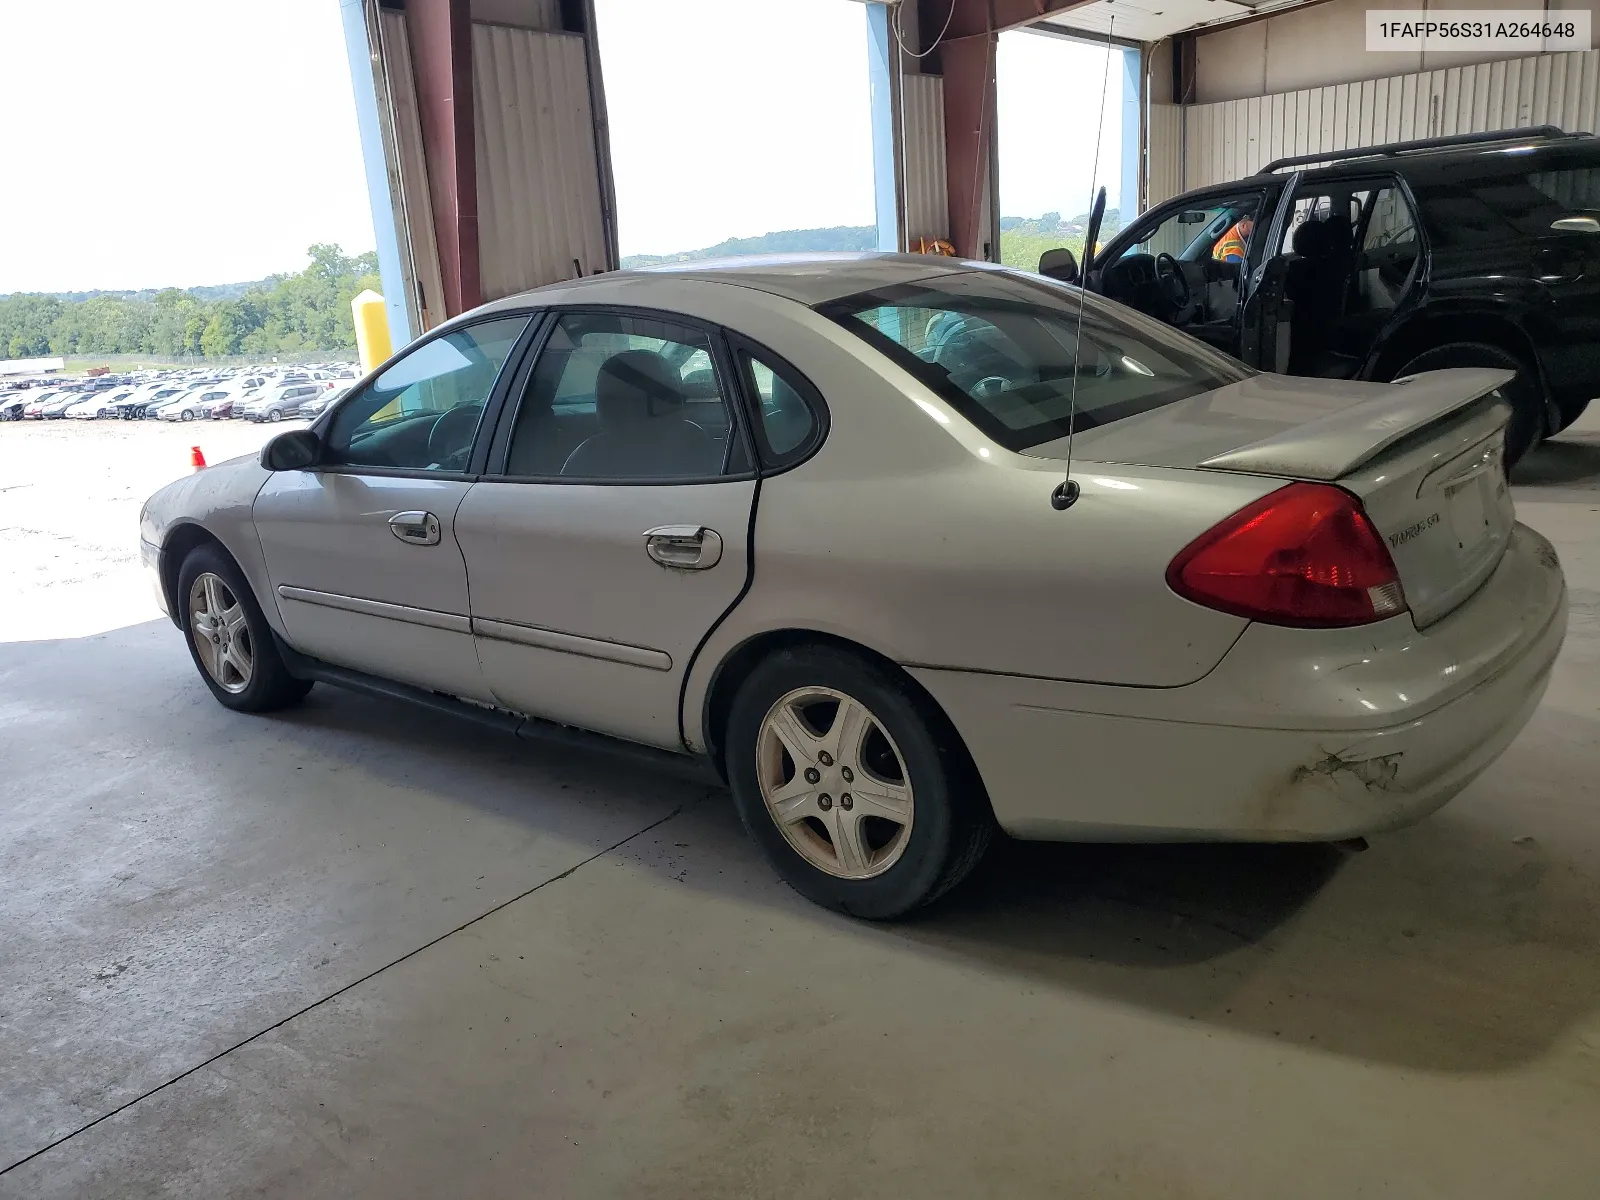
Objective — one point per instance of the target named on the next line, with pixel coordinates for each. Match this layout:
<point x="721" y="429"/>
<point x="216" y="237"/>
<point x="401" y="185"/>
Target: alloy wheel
<point x="834" y="783"/>
<point x="221" y="633"/>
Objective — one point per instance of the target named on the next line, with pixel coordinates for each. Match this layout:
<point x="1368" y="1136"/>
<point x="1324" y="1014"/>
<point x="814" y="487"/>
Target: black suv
<point x="1466" y="251"/>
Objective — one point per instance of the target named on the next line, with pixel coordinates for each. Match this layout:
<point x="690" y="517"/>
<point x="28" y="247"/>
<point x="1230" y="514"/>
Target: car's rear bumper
<point x="1297" y="735"/>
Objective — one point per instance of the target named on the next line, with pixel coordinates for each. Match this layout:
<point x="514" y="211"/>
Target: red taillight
<point x="1303" y="555"/>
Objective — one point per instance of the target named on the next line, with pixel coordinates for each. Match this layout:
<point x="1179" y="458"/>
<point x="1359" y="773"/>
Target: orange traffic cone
<point x="196" y="459"/>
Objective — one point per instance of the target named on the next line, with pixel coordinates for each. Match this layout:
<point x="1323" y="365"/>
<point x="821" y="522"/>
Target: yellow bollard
<point x="372" y="329"/>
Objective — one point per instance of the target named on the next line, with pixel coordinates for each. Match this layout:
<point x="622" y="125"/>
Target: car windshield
<point x="1002" y="348"/>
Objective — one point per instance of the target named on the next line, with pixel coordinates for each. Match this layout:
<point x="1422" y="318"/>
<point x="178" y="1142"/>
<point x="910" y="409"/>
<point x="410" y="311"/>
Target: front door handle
<point x="685" y="547"/>
<point x="415" y="528"/>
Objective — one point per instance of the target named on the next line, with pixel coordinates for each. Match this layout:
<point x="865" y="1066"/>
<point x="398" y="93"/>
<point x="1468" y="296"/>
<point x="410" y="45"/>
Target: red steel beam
<point x="441" y="54"/>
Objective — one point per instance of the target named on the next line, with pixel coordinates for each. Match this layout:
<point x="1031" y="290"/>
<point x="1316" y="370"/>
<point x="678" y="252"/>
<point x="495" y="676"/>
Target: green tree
<point x="305" y="311"/>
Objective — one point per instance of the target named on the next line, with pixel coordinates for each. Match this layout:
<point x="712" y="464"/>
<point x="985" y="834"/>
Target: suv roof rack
<point x="1437" y="143"/>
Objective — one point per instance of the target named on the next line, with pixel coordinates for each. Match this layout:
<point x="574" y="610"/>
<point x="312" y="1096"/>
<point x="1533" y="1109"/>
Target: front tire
<point x="275" y="415"/>
<point x="1527" y="426"/>
<point x="229" y="639"/>
<point x="855" y="786"/>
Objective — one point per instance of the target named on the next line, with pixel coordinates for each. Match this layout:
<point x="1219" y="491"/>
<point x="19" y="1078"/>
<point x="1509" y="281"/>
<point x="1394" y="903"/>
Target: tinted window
<point x="1004" y="351"/>
<point x="625" y="397"/>
<point x="1467" y="207"/>
<point x="422" y="412"/>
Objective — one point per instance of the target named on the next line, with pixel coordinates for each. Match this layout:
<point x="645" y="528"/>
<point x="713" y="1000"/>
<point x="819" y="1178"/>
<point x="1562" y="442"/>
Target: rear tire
<point x="1527" y="426"/>
<point x="919" y="822"/>
<point x="266" y="684"/>
<point x="1570" y="413"/>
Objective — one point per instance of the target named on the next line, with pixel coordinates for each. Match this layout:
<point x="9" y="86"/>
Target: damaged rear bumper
<point x="1297" y="735"/>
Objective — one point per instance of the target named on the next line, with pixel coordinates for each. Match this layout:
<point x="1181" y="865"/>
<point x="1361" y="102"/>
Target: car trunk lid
<point x="1424" y="455"/>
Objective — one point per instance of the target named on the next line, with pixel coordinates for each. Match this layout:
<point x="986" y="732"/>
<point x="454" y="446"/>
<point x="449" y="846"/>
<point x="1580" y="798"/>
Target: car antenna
<point x="1067" y="491"/>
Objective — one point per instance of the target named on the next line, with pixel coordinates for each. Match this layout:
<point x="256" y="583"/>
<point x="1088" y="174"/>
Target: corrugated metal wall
<point x="922" y="123"/>
<point x="1164" y="153"/>
<point x="1235" y="138"/>
<point x="540" y="216"/>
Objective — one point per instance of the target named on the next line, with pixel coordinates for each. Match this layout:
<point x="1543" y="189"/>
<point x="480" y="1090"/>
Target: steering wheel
<point x="1174" y="284"/>
<point x="450" y="439"/>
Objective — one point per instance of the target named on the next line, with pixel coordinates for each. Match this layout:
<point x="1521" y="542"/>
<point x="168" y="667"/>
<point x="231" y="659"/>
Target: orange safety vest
<point x="1235" y="244"/>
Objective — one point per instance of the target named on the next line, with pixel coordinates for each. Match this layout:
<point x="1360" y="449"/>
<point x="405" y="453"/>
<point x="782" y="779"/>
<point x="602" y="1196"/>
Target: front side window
<point x="1004" y="351"/>
<point x="623" y="397"/>
<point x="1221" y="231"/>
<point x="422" y="412"/>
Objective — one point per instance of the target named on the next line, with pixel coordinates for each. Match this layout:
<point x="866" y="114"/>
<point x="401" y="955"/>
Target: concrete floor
<point x="361" y="951"/>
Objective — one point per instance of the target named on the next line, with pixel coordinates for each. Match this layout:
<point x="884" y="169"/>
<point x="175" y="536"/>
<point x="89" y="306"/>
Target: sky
<point x="174" y="142"/>
<point x="731" y="118"/>
<point x="1048" y="95"/>
<point x="194" y="142"/>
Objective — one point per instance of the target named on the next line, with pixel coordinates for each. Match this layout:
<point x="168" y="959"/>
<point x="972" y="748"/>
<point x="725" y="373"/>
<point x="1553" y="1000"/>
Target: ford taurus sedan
<point x="907" y="550"/>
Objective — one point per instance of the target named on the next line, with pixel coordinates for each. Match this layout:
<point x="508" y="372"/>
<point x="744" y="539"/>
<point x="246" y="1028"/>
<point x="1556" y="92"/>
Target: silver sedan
<point x="906" y="551"/>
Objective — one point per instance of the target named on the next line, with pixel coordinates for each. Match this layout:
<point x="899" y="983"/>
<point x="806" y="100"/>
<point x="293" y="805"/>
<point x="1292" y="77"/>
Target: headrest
<point x="1312" y="240"/>
<point x="635" y="385"/>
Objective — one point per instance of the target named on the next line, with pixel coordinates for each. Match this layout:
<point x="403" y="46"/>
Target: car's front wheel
<point x="853" y="784"/>
<point x="229" y="639"/>
<point x="275" y="414"/>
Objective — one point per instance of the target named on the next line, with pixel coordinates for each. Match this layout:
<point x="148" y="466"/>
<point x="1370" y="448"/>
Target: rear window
<point x="1003" y="350"/>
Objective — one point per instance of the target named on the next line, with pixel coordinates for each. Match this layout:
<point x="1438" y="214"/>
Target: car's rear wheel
<point x="1527" y="426"/>
<point x="855" y="787"/>
<point x="229" y="638"/>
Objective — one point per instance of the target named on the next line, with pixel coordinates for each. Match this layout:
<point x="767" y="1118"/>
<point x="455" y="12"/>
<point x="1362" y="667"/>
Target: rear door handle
<point x="415" y="528"/>
<point x="685" y="547"/>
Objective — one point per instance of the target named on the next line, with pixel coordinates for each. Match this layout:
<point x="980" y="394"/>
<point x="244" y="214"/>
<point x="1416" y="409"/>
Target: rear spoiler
<point x="1335" y="445"/>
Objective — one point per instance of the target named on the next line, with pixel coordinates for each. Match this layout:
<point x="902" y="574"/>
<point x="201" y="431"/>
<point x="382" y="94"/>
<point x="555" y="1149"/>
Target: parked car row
<point x="271" y="394"/>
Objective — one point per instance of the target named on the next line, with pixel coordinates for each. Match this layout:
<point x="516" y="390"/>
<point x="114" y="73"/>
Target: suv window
<point x="422" y="412"/>
<point x="1470" y="208"/>
<point x="1004" y="351"/>
<point x="1221" y="231"/>
<point x="616" y="396"/>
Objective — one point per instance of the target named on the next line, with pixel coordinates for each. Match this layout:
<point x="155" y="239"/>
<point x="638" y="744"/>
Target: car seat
<point x="1314" y="283"/>
<point x="643" y="432"/>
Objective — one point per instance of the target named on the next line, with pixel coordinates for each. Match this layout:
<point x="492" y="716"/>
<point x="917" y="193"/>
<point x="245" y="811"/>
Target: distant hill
<point x="210" y="293"/>
<point x="785" y="241"/>
<point x="1021" y="238"/>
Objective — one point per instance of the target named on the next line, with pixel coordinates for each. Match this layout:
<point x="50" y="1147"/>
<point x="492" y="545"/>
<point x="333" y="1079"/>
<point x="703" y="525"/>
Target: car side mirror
<point x="292" y="451"/>
<point x="1059" y="264"/>
<point x="1576" y="225"/>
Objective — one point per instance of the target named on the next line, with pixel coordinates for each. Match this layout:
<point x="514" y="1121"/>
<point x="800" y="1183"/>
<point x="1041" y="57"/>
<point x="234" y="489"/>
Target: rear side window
<point x="1003" y="350"/>
<point x="790" y="411"/>
<point x="1469" y="208"/>
<point x="625" y="397"/>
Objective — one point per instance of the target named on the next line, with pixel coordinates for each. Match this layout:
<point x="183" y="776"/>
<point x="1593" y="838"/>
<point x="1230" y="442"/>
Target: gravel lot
<point x="70" y="493"/>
